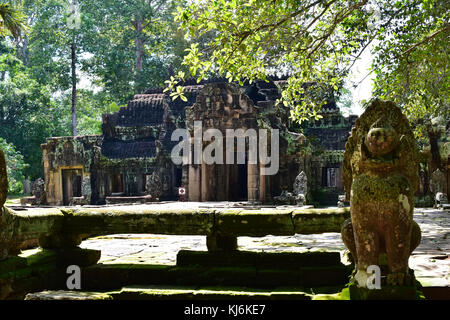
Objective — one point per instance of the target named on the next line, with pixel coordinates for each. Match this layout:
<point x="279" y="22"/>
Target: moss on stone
<point x="255" y="223"/>
<point x="12" y="263"/>
<point x="322" y="211"/>
<point x="367" y="188"/>
<point x="312" y="221"/>
<point x="42" y="257"/>
<point x="335" y="296"/>
<point x="68" y="295"/>
<point x="385" y="293"/>
<point x="204" y="293"/>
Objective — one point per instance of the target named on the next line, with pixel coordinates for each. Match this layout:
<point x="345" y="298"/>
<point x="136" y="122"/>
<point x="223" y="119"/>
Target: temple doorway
<point x="71" y="184"/>
<point x="238" y="182"/>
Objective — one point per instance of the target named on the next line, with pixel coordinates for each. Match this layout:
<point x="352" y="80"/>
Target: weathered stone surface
<point x="26" y="187"/>
<point x="380" y="176"/>
<point x="154" y="185"/>
<point x="31" y="272"/>
<point x="86" y="190"/>
<point x="300" y="188"/>
<point x="67" y="295"/>
<point x="79" y="257"/>
<point x="138" y="219"/>
<point x="64" y="228"/>
<point x="59" y="240"/>
<point x="435" y="222"/>
<point x="254" y="222"/>
<point x="285" y="198"/>
<point x="309" y="221"/>
<point x="18" y="227"/>
<point x="283" y="260"/>
<point x="438" y="182"/>
<point x="440" y="199"/>
<point x="341" y="201"/>
<point x="385" y="293"/>
<point x="218" y="242"/>
<point x="129" y="199"/>
<point x="206" y="293"/>
<point x="38" y="190"/>
<point x="38" y="196"/>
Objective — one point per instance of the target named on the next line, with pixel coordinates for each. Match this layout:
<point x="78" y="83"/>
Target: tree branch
<point x="425" y="40"/>
<point x="334" y="26"/>
<point x="273" y="26"/>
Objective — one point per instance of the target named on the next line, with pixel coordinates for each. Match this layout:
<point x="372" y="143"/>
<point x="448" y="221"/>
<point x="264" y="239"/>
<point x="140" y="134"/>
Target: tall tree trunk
<point x="74" y="89"/>
<point x="25" y="50"/>
<point x="433" y="136"/>
<point x="426" y="180"/>
<point x="22" y="51"/>
<point x="139" y="45"/>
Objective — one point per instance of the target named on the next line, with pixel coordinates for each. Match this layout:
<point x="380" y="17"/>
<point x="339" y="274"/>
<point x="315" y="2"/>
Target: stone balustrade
<point x="59" y="228"/>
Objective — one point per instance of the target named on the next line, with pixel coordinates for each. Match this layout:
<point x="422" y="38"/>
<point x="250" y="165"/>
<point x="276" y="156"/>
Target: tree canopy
<point x="122" y="48"/>
<point x="12" y="20"/>
<point x="317" y="42"/>
<point x="126" y="46"/>
<point x="411" y="60"/>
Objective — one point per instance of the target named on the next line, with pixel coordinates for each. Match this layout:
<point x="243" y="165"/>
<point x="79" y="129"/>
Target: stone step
<point x="113" y="276"/>
<point x="37" y="269"/>
<point x="282" y="260"/>
<point x="46" y="269"/>
<point x="67" y="295"/>
<point x="159" y="292"/>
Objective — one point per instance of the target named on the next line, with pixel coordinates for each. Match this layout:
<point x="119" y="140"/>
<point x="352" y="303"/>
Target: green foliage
<point x="411" y="64"/>
<point x="12" y="20"/>
<point x="28" y="114"/>
<point x="90" y="107"/>
<point x="15" y="166"/>
<point x="426" y="201"/>
<point x="315" y="42"/>
<point x="35" y="70"/>
<point x="344" y="99"/>
<point x="115" y="32"/>
<point x="126" y="46"/>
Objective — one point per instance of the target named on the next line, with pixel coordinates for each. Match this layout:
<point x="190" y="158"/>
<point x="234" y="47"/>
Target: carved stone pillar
<point x="205" y="182"/>
<point x="252" y="180"/>
<point x="262" y="184"/>
<point x="195" y="186"/>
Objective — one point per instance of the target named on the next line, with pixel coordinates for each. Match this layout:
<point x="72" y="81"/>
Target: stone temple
<point x="131" y="160"/>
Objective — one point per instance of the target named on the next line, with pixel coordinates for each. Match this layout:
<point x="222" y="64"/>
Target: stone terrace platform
<point x="221" y="222"/>
<point x="168" y="228"/>
<point x="430" y="260"/>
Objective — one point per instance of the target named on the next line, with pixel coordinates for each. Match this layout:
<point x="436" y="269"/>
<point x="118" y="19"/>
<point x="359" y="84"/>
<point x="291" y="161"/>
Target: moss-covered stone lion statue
<point x="380" y="178"/>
